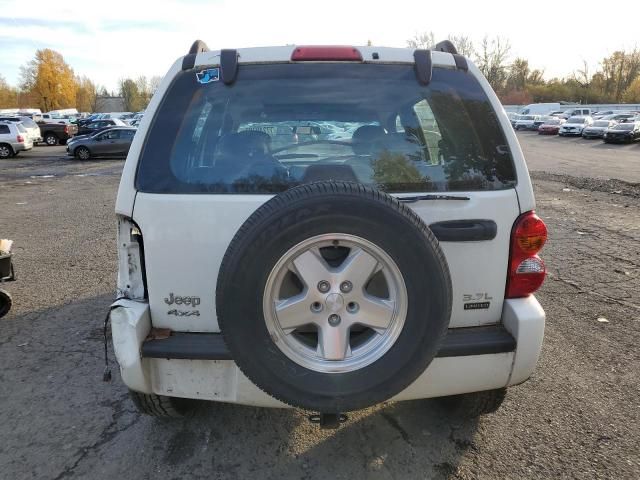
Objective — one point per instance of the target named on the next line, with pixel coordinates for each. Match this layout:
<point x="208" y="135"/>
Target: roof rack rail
<point x="189" y="60"/>
<point x="424" y="67"/>
<point x="445" y="46"/>
<point x="448" y="47"/>
<point x="198" y="47"/>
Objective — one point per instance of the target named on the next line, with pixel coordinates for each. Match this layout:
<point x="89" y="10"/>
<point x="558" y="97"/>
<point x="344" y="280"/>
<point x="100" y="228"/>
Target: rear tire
<point x="6" y="151"/>
<point x="472" y="405"/>
<point x="5" y="303"/>
<point x="82" y="153"/>
<point x="162" y="406"/>
<point x="51" y="139"/>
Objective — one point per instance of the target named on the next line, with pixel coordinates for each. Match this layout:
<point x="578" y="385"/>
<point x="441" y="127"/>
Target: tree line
<point x="617" y="80"/>
<point x="47" y="82"/>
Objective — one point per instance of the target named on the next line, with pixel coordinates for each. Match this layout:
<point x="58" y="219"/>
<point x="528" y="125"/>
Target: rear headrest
<point x="248" y="143"/>
<point x="364" y="137"/>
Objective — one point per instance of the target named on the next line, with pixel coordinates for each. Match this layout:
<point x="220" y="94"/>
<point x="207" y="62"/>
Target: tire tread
<point x="339" y="188"/>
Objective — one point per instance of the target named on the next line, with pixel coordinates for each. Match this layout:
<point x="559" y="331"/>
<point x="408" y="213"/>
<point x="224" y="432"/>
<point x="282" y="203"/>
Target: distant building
<point x="109" y="104"/>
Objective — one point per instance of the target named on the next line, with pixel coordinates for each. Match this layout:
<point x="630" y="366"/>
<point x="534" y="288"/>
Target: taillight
<point x="526" y="269"/>
<point x="326" y="54"/>
<point x="20" y="139"/>
<point x="66" y="129"/>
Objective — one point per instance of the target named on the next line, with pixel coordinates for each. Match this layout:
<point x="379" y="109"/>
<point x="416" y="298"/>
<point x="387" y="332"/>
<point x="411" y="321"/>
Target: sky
<point x="113" y="39"/>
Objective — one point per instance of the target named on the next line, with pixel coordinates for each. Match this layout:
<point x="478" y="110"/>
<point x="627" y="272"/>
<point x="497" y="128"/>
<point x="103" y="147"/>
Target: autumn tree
<point x="464" y="45"/>
<point x="131" y="96"/>
<point x="422" y="40"/>
<point x="49" y="80"/>
<point x="620" y="70"/>
<point x="632" y="93"/>
<point x="491" y="58"/>
<point x="86" y="93"/>
<point x="8" y="94"/>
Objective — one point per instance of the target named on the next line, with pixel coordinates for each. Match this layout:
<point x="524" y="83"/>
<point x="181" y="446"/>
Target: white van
<point x="540" y="108"/>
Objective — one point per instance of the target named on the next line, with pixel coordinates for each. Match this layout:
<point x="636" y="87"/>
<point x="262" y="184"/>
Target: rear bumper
<point x="200" y="366"/>
<point x="22" y="147"/>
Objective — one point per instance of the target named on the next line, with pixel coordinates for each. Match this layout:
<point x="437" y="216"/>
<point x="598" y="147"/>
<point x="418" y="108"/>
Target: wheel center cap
<point x="334" y="302"/>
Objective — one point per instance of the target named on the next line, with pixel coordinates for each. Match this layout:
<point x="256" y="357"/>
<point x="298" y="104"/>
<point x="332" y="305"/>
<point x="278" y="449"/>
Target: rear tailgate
<point x="478" y="267"/>
<point x="207" y="223"/>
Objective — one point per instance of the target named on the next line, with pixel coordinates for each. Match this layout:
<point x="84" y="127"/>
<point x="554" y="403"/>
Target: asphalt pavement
<point x="578" y="417"/>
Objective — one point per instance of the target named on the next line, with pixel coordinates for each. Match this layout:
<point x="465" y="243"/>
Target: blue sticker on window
<point x="209" y="75"/>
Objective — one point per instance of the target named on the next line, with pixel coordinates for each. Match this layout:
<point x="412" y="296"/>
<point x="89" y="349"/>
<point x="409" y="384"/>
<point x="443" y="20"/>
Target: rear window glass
<point x="282" y="125"/>
<point x="28" y="122"/>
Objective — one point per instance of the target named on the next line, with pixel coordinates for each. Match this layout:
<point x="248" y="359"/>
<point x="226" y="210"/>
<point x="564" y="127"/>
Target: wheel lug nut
<point x="352" y="307"/>
<point x="334" y="320"/>
<point x="324" y="286"/>
<point x="346" y="287"/>
<point x="316" y="307"/>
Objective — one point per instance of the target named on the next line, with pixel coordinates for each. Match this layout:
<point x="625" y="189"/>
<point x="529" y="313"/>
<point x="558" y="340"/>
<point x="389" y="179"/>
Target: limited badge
<point x="477" y="306"/>
<point x="476" y="301"/>
<point x="209" y="75"/>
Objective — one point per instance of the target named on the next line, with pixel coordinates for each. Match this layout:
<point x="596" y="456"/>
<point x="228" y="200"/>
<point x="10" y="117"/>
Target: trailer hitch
<point x="328" y="421"/>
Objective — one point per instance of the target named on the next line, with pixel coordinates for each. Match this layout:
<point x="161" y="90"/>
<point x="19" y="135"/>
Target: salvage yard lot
<point x="578" y="417"/>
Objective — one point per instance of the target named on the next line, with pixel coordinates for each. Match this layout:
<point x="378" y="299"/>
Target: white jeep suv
<point x="326" y="228"/>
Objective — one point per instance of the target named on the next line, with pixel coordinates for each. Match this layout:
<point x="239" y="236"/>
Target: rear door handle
<point x="464" y="230"/>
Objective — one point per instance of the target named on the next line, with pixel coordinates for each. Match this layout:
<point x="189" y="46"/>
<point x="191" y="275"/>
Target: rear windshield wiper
<point x="418" y="198"/>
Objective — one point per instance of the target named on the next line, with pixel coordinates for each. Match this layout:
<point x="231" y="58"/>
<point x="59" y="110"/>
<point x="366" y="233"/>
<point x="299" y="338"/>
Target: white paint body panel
<point x="223" y="381"/>
<point x="186" y="237"/>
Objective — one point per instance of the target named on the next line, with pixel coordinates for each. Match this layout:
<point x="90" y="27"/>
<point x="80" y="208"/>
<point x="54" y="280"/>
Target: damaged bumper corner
<point x="130" y="325"/>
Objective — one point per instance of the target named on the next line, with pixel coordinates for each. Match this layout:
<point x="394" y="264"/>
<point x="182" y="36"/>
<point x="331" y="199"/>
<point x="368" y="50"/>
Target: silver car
<point x="598" y="128"/>
<point x="113" y="142"/>
<point x="13" y="139"/>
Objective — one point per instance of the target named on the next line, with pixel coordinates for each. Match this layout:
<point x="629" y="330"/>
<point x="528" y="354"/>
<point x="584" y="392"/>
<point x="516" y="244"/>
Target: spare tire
<point x="333" y="297"/>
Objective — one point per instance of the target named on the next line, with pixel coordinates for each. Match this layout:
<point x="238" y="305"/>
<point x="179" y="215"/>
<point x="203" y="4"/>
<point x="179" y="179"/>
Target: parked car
<point x="513" y="118"/>
<point x="602" y="113"/>
<point x="57" y="133"/>
<point x="54" y="118"/>
<point x="623" y="133"/>
<point x="13" y="139"/>
<point x="576" y="112"/>
<point x="541" y="120"/>
<point x="526" y="122"/>
<point x="94" y="126"/>
<point x="294" y="252"/>
<point x="32" y="128"/>
<point x="574" y="126"/>
<point x="620" y="117"/>
<point x="551" y="126"/>
<point x="597" y="129"/>
<point x="87" y="119"/>
<point x="112" y="142"/>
